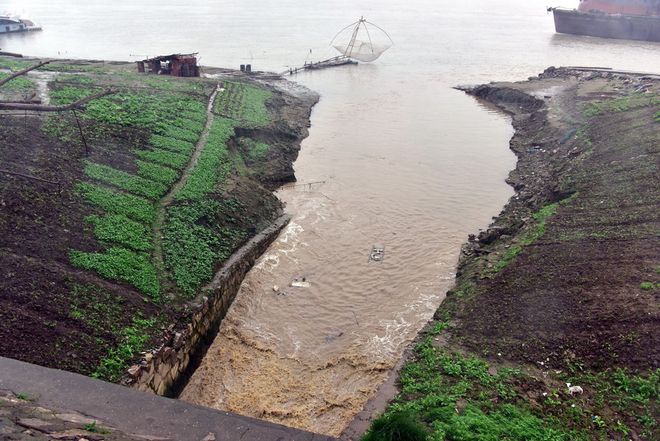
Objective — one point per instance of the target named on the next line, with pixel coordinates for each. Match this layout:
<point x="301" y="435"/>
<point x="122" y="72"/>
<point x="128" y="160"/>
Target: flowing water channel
<point x="399" y="158"/>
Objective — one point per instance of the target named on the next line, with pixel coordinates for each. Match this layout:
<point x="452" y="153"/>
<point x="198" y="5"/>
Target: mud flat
<point x="562" y="288"/>
<point x="110" y="236"/>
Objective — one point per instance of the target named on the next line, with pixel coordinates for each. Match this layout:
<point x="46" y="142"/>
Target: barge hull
<point x="625" y="27"/>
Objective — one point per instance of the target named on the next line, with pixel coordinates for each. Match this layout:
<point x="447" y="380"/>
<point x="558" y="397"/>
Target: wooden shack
<point x="178" y="65"/>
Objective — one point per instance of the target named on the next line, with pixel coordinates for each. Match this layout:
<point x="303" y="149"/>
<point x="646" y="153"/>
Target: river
<point x="401" y="159"/>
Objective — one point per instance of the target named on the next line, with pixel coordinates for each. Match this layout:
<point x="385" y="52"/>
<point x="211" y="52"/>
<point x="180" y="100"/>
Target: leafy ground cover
<point x="21" y="83"/>
<point x="244" y="103"/>
<point x="121" y="264"/>
<point x="132" y="339"/>
<point x="459" y="398"/>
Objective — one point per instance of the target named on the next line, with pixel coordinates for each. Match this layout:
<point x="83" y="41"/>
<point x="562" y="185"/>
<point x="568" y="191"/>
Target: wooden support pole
<point x="82" y="135"/>
<point x="27" y="176"/>
<point x="44" y="108"/>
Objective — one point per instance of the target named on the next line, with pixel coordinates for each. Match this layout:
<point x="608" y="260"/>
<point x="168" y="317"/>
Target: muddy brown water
<point x="404" y="161"/>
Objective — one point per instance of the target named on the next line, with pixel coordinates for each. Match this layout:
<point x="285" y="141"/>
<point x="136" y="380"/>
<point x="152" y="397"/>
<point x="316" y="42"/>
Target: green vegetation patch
<point x="69" y="67"/>
<point x="115" y="202"/>
<point x="214" y="164"/>
<point x="648" y="286"/>
<point x="532" y="236"/>
<point x="198" y="116"/>
<point x="118" y="229"/>
<point x="21" y="83"/>
<point x="172" y="144"/>
<point x="464" y="290"/>
<point x="191" y="247"/>
<point x="70" y="94"/>
<point x="166" y="82"/>
<point x="254" y="150"/>
<point x="146" y="110"/>
<point x="98" y="308"/>
<point x="632" y="396"/>
<point x="163" y="157"/>
<point x="76" y="79"/>
<point x="182" y="134"/>
<point x="132" y="340"/>
<point x="191" y="125"/>
<point x="126" y="181"/>
<point x="244" y="103"/>
<point x="158" y="173"/>
<point x="457" y="398"/>
<point x="123" y="265"/>
<point x="254" y="110"/>
<point x="396" y="426"/>
<point x="622" y="104"/>
<point x="15" y="65"/>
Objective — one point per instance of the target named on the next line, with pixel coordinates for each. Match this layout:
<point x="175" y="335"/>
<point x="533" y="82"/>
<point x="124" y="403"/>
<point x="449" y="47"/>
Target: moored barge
<point x="13" y="24"/>
<point x="622" y="19"/>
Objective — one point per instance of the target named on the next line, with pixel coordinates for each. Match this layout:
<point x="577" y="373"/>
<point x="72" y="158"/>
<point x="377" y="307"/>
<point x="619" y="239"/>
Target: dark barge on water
<point x="622" y="19"/>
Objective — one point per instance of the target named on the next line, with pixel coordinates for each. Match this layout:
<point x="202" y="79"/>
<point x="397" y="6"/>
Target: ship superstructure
<point x="10" y="24"/>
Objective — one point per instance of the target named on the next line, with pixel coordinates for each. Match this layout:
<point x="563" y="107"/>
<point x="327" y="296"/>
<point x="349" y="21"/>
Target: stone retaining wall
<point x="163" y="370"/>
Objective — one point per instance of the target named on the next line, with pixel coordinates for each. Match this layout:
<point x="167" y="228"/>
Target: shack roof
<point x="170" y="57"/>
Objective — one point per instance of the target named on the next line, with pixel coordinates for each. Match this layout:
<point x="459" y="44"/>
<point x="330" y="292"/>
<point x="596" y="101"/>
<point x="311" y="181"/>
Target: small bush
<point x="647" y="286"/>
<point x="397" y="426"/>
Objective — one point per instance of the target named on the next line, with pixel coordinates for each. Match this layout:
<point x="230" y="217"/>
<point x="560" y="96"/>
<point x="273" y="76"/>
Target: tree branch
<point x="44" y="108"/>
<point x="22" y="72"/>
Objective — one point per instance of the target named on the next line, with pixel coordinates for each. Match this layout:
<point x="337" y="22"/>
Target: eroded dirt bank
<point x="562" y="287"/>
<point x="109" y="236"/>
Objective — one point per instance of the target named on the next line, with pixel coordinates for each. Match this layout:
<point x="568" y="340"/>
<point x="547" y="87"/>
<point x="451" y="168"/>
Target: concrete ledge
<point x="137" y="413"/>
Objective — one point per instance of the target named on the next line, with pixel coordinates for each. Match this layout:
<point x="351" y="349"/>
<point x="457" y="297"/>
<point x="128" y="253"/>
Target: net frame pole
<point x="351" y="43"/>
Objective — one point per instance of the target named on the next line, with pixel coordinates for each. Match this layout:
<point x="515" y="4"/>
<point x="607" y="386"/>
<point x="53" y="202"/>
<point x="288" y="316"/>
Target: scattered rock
<point x="34" y="423"/>
<point x="75" y="418"/>
<point x="75" y="434"/>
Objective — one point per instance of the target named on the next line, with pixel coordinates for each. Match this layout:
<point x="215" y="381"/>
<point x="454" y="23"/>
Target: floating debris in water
<point x="377" y="253"/>
<point x="300" y="282"/>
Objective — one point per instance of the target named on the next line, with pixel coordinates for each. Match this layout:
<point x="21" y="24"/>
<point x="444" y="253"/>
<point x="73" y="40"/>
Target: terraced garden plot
<point x="244" y="103"/>
<point x="80" y="277"/>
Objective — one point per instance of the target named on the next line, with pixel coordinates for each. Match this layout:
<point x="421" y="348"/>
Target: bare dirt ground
<point x="574" y="293"/>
